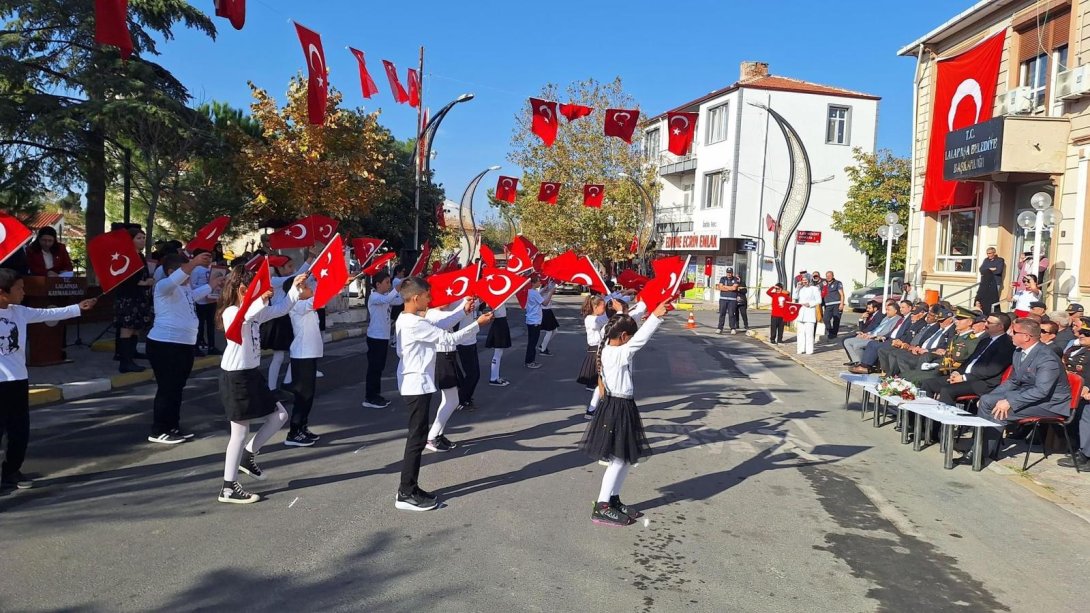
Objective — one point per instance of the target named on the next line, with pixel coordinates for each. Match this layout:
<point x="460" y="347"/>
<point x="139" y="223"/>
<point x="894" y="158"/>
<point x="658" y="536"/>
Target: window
<point x="838" y="131"/>
<point x="687" y="197"/>
<point x="651" y="145"/>
<point x="713" y="190"/>
<point x="717" y="124"/>
<point x="1035" y="76"/>
<point x="675" y="227"/>
<point x="957" y="241"/>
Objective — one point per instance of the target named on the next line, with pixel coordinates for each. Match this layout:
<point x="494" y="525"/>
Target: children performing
<point x="383" y="297"/>
<point x="499" y="338"/>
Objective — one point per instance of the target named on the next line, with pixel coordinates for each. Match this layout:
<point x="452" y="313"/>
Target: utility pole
<point x="420" y="151"/>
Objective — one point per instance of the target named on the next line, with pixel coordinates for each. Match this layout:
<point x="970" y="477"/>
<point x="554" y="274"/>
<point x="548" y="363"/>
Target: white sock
<point x="447" y="403"/>
<point x="278" y="359"/>
<point x="613" y="479"/>
<point x="594" y="398"/>
<point x="272" y="425"/>
<point x="239" y="430"/>
<point x="548" y="336"/>
<point x="497" y="357"/>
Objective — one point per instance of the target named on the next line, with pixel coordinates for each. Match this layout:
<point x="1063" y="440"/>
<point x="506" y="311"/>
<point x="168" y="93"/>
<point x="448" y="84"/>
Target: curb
<point x="48" y="394"/>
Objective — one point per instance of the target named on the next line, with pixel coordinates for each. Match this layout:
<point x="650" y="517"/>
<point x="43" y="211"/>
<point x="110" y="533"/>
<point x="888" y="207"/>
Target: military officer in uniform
<point x="946" y="359"/>
<point x="1069" y="332"/>
<point x="1076" y="359"/>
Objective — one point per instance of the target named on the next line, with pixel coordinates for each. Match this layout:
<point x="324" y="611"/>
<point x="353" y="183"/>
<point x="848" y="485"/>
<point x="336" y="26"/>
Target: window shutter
<point x="1052" y="34"/>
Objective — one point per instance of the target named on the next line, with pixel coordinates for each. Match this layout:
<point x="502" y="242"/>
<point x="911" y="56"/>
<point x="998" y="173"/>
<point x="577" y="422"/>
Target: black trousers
<point x="377" y="350"/>
<point x="419" y="407"/>
<point x="949" y="391"/>
<point x="171" y="363"/>
<point x="321" y="320"/>
<point x="14" y="423"/>
<point x="533" y="333"/>
<point x="304" y="380"/>
<point x="728" y="310"/>
<point x="471" y="371"/>
<point x="775" y="330"/>
<point x="742" y="314"/>
<point x="831" y="317"/>
<point x="206" y="325"/>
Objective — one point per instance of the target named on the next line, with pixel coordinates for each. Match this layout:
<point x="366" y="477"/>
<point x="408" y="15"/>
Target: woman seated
<point x="46" y="256"/>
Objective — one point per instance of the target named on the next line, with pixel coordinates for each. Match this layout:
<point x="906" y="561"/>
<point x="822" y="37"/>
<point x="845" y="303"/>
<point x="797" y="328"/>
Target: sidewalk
<point x="1061" y="486"/>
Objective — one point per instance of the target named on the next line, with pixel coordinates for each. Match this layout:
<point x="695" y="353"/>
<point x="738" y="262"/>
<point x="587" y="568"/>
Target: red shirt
<point x="779" y="302"/>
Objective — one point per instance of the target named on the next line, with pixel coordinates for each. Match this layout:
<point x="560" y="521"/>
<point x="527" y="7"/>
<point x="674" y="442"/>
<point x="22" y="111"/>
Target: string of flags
<point x="549" y="191"/>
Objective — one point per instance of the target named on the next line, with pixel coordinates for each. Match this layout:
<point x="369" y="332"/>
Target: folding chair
<point x="1075" y="381"/>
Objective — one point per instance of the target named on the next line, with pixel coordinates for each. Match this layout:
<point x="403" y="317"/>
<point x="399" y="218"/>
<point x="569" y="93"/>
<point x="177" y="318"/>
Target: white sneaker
<point x="533" y="365"/>
<point x="499" y="382"/>
<point x="319" y="374"/>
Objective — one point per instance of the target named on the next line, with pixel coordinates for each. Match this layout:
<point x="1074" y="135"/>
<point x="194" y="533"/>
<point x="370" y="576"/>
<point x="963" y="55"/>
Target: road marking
<point x="190" y="473"/>
<point x="359" y="450"/>
<point x="754" y="369"/>
<point x="293" y="502"/>
<point x="813" y="437"/>
<point x="889" y="511"/>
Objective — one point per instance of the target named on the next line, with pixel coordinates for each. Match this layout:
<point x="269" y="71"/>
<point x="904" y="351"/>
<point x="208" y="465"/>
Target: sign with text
<point x="974" y="151"/>
<point x="690" y="242"/>
<point x="807" y="236"/>
<point x="747" y="245"/>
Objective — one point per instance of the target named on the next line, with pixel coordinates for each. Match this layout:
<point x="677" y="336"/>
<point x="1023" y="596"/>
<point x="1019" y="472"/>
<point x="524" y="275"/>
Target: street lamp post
<point x="424" y="139"/>
<point x="889" y="232"/>
<point x="467" y="200"/>
<point x="1042" y="217"/>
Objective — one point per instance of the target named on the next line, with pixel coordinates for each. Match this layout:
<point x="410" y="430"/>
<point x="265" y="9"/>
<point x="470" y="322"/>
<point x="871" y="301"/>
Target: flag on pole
<point x="261" y="283"/>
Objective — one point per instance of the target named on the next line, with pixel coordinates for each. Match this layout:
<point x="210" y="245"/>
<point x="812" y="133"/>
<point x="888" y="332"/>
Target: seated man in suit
<point x="930" y="348"/>
<point x="1036" y="388"/>
<point x="928" y="327"/>
<point x="910" y="323"/>
<point x="1067" y="334"/>
<point x="945" y="359"/>
<point x="982" y="371"/>
<point x="879" y="324"/>
<point x="1077" y="360"/>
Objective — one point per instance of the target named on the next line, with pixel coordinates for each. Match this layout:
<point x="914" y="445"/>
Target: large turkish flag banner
<point x="964" y="96"/>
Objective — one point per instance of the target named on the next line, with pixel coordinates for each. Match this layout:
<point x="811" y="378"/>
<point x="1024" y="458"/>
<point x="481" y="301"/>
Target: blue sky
<point x="666" y="53"/>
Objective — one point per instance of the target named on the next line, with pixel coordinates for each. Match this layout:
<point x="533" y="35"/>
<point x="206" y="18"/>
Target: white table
<point x="850" y="379"/>
<point x="950" y="417"/>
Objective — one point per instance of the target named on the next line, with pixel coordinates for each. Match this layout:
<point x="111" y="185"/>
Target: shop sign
<point x="747" y="245"/>
<point x="974" y="151"/>
<point x="691" y="242"/>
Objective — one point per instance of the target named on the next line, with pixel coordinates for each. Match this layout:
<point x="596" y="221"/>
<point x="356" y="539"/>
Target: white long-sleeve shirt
<point x="595" y="323"/>
<point x="416" y="347"/>
<point x="617" y="360"/>
<point x="378" y="307"/>
<point x="248" y="355"/>
<point x="307" y="342"/>
<point x="175" y="310"/>
<point x="199" y="278"/>
<point x="467" y="318"/>
<point x="13" y="323"/>
<point x="809" y="297"/>
<point x="445" y="319"/>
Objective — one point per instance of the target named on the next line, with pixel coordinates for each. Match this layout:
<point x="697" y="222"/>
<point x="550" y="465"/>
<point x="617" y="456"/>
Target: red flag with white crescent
<point x="520" y="255"/>
<point x="593" y="195"/>
<point x="571" y="268"/>
<point x="791" y="311"/>
<point x="322" y="227"/>
<point x="422" y="261"/>
<point x="294" y="236"/>
<point x="207" y="237"/>
<point x="331" y="271"/>
<point x="544" y="122"/>
<point x="233" y="10"/>
<point x="630" y="279"/>
<point x="451" y="286"/>
<point x="571" y="112"/>
<point x="621" y="123"/>
<point x="496" y="286"/>
<point x="367" y="84"/>
<point x="114" y="258"/>
<point x="682" y="128"/>
<point x="548" y="192"/>
<point x="506" y="188"/>
<point x="366" y="248"/>
<point x="261" y="283"/>
<point x="13" y="235"/>
<point x="669" y="275"/>
<point x="317" y="84"/>
<point x="112" y="25"/>
<point x="414" y="88"/>
<point x="400" y="95"/>
<point x="379" y="263"/>
<point x="634" y="246"/>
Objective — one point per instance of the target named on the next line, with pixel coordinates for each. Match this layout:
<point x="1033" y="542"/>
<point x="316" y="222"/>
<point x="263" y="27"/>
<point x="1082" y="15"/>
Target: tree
<point x="880" y="182"/>
<point x="581" y="154"/>
<point x="495" y="234"/>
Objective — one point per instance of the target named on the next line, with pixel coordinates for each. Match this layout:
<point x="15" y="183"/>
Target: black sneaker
<point x="234" y="494"/>
<point x="615" y="502"/>
<point x="446" y="441"/>
<point x="298" y="439"/>
<point x="588" y="415"/>
<point x="179" y="432"/>
<point x="166" y="438"/>
<point x="605" y="515"/>
<point x="312" y="436"/>
<point x="468" y="405"/>
<point x="545" y="352"/>
<point x="248" y="465"/>
<point x="417" y="501"/>
<point x="376" y="403"/>
<point x="16" y="480"/>
<point x="439" y="444"/>
<point x="499" y="382"/>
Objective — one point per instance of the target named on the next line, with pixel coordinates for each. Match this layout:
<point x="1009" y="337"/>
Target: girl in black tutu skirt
<point x="615" y="433"/>
<point x="596" y="312"/>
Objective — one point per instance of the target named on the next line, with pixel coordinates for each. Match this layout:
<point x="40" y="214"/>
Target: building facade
<point x="714" y="201"/>
<point x="1034" y="151"/>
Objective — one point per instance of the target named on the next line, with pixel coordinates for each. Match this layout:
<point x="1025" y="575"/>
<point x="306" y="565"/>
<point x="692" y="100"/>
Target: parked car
<point x="570" y="288"/>
<point x="858" y="299"/>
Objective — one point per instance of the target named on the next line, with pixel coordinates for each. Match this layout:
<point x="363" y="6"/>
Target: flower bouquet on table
<point x="896" y="386"/>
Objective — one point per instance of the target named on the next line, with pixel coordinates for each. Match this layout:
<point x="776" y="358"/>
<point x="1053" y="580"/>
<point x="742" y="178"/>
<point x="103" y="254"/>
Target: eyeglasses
<point x="993" y="322"/>
<point x="1017" y="332"/>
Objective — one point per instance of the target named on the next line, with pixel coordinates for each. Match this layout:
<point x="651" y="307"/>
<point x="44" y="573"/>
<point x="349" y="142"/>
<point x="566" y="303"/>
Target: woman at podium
<point x="46" y="256"/>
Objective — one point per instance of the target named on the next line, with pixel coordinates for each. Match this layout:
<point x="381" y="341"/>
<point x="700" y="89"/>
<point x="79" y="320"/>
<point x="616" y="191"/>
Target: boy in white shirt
<point x="383" y="297"/>
<point x="416" y="342"/>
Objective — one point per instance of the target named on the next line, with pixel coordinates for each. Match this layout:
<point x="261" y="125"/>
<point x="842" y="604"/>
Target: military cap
<point x="1084" y="329"/>
<point x="941" y="312"/>
<point x="1075" y="307"/>
<point x="1037" y="304"/>
<point x="964" y="313"/>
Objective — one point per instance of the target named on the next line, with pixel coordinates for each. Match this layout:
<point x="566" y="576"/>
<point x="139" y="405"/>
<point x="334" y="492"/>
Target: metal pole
<point x="419" y="152"/>
<point x="889" y="256"/>
<point x="128" y="182"/>
<point x="1038" y="226"/>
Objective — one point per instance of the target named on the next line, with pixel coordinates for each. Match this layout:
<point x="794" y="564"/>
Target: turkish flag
<point x="630" y="279"/>
<point x="506" y="188"/>
<point x="414" y="88"/>
<point x="274" y="260"/>
<point x="114" y="258"/>
<point x="331" y="271"/>
<point x="367" y="84"/>
<point x="451" y="263"/>
<point x="321" y="227"/>
<point x="548" y="192"/>
<point x="207" y="236"/>
<point x="260" y="284"/>
<point x="571" y="268"/>
<point x="111" y="25"/>
<point x="422" y="261"/>
<point x="488" y="257"/>
<point x="544" y="122"/>
<point x="669" y="274"/>
<point x="400" y="95"/>
<point x="234" y="10"/>
<point x="791" y="312"/>
<point x="571" y="112"/>
<point x="317" y="85"/>
<point x="366" y="248"/>
<point x="621" y="123"/>
<point x="520" y="255"/>
<point x="13" y="235"/>
<point x="964" y="96"/>
<point x="294" y="236"/>
<point x="379" y="263"/>
<point x="682" y="128"/>
<point x="593" y="194"/>
<point x="496" y="286"/>
<point x="451" y="286"/>
<point x="770" y="223"/>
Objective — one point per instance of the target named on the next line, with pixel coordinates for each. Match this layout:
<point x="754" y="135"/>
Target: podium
<point x="45" y="341"/>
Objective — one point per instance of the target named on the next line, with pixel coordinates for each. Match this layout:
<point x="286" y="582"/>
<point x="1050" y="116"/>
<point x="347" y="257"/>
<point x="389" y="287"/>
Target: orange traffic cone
<point x="692" y="321"/>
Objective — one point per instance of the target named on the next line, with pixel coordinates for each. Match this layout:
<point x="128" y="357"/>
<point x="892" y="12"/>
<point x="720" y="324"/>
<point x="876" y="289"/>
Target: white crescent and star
<point x="582" y="275"/>
<point x="302" y="233"/>
<point x="969" y="88"/>
<point x="115" y="272"/>
<point x="508" y="183"/>
<point x="499" y="292"/>
<point x="3" y="233"/>
<point x="313" y="51"/>
<point x="545" y="112"/>
<point x="326" y="231"/>
<point x="514" y="260"/>
<point x="593" y="190"/>
<point x="461" y="292"/>
<point x="211" y="233"/>
<point x="549" y="187"/>
<point x="617" y="117"/>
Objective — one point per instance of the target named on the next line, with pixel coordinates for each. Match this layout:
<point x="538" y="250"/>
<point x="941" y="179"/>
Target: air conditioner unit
<point x="1073" y="84"/>
<point x="1018" y="101"/>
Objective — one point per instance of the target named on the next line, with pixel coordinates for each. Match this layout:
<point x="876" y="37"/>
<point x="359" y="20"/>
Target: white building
<point x="738" y="169"/>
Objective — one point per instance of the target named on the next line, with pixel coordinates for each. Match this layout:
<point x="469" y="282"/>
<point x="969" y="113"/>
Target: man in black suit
<point x="981" y="372"/>
<point x="912" y="357"/>
<point x="912" y="321"/>
<point x="922" y="330"/>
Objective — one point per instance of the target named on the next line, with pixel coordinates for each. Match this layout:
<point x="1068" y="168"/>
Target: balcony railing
<point x="670" y="164"/>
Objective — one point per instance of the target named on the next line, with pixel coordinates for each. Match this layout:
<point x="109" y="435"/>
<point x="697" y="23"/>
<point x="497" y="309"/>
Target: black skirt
<point x="588" y="372"/>
<point x="448" y="373"/>
<point x="616" y="431"/>
<point x="548" y="321"/>
<point x="499" y="334"/>
<point x="133" y="312"/>
<point x="277" y="334"/>
<point x="245" y="395"/>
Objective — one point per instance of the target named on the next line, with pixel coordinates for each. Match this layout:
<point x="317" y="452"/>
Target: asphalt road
<point x="764" y="494"/>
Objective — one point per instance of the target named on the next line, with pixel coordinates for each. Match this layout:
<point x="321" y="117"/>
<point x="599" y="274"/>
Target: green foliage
<point x="880" y="182"/>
